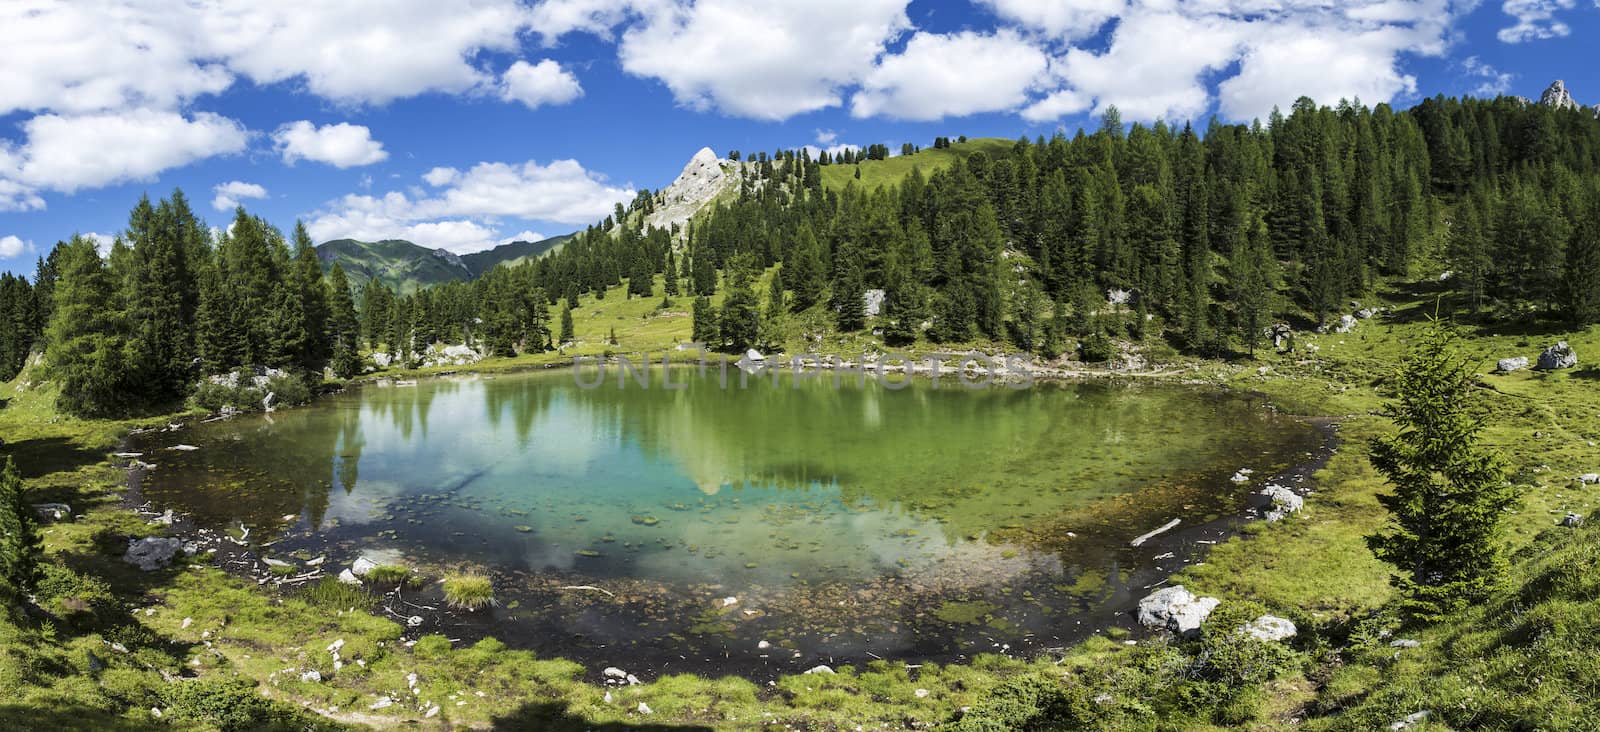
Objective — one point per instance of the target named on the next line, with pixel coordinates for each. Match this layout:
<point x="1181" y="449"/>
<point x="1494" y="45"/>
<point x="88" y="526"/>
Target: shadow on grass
<point x="553" y="716"/>
<point x="43" y="456"/>
<point x="65" y="716"/>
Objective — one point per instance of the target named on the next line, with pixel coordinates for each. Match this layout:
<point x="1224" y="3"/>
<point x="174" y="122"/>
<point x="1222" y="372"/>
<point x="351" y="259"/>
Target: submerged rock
<point x="1507" y="365"/>
<point x="1558" y="356"/>
<point x="1269" y="628"/>
<point x="1175" y="609"/>
<point x="152" y="553"/>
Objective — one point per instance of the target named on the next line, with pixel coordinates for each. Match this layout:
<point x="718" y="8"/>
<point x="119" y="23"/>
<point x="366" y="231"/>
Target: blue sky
<point x="462" y="125"/>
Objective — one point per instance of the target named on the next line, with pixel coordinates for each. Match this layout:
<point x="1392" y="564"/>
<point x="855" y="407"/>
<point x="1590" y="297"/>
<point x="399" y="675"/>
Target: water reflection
<point x="781" y="491"/>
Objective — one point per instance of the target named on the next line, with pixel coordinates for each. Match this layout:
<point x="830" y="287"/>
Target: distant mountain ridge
<point x="407" y="267"/>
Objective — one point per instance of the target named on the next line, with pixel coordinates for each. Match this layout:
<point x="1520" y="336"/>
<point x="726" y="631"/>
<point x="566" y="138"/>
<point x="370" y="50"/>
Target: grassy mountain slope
<point x="513" y="253"/>
<point x="876" y="173"/>
<point x="402" y="265"/>
<point x="408" y="267"/>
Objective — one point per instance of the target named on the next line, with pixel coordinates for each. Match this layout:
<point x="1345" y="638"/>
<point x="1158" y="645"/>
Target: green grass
<point x="394" y="574"/>
<point x="331" y="594"/>
<point x="889" y="172"/>
<point x="468" y="591"/>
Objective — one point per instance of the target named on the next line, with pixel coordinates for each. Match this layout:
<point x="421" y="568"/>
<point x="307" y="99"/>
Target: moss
<point x="964" y="613"/>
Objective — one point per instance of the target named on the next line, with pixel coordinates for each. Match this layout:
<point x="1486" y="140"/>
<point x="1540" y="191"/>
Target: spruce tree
<point x="1582" y="279"/>
<point x="566" y="324"/>
<point x="343" y="328"/>
<point x="1450" y="493"/>
<point x="86" y="347"/>
<point x="20" y="544"/>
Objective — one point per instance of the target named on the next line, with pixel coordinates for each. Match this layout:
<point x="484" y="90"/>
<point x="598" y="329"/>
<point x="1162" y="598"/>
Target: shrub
<point x="1096" y="348"/>
<point x="469" y="591"/>
<point x="234" y="704"/>
<point x="289" y="389"/>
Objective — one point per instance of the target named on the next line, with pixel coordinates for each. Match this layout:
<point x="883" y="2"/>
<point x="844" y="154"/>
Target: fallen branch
<point x="588" y="587"/>
<point x="1164" y="528"/>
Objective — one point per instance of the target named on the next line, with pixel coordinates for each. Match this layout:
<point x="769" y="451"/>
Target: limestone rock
<point x="1558" y="97"/>
<point x="1346" y="324"/>
<point x="1269" y="628"/>
<point x="348" y="577"/>
<point x="1284" y="502"/>
<point x="702" y="180"/>
<point x="1175" y="609"/>
<point x="873" y="301"/>
<point x="1515" y="363"/>
<point x="362" y="566"/>
<point x="823" y="669"/>
<point x="1417" y="718"/>
<point x="1558" y="356"/>
<point x="152" y="553"/>
<point x="1572" y="520"/>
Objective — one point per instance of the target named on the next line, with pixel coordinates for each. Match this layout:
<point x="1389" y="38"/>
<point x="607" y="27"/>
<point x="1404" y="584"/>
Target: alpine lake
<point x="756" y="526"/>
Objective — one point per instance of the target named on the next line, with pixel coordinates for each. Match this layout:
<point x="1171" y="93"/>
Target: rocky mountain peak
<point x="1557" y="96"/>
<point x="702" y="179"/>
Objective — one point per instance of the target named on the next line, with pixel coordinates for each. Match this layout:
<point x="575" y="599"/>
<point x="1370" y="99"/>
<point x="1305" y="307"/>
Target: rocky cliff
<point x="702" y="180"/>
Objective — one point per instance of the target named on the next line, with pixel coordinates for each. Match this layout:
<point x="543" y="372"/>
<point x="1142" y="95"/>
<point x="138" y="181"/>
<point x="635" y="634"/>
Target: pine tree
<point x="88" y="353"/>
<point x="706" y="329"/>
<point x="1450" y="493"/>
<point x="807" y="277"/>
<point x="566" y="324"/>
<point x="670" y="275"/>
<point x="1582" y="279"/>
<point x="1251" y="275"/>
<point x="344" y="331"/>
<point x="20" y="546"/>
<point x="772" y="322"/>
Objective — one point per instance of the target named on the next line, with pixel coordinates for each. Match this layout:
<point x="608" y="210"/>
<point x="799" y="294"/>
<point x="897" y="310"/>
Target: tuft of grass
<point x="469" y="591"/>
<point x="393" y="574"/>
<point x="331" y="594"/>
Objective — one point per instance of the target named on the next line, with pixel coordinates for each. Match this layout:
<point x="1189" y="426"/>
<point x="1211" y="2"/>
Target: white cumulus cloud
<point x="68" y="153"/>
<point x="539" y="84"/>
<point x="953" y="75"/>
<point x="466" y="211"/>
<point x="1163" y="59"/>
<point x="764" y="59"/>
<point x="341" y="145"/>
<point x="11" y="246"/>
<point x="1535" y="20"/>
<point x="1070" y="19"/>
<point x="229" y="194"/>
<point x="1491" y="81"/>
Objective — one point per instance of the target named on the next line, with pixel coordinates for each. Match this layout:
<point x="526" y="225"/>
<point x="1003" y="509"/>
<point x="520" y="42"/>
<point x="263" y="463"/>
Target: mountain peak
<point x="1557" y="96"/>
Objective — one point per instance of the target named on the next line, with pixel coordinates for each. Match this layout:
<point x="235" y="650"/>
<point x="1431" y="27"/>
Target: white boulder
<point x="1269" y="628"/>
<point x="1175" y="609"/>
<point x="1558" y="356"/>
<point x="1284" y="502"/>
<point x="1507" y="365"/>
